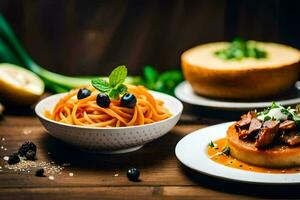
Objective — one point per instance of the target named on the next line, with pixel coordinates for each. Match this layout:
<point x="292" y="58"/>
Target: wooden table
<point x="104" y="176"/>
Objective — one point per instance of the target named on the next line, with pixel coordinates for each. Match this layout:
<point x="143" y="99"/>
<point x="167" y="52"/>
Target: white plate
<point x="191" y="151"/>
<point x="186" y="94"/>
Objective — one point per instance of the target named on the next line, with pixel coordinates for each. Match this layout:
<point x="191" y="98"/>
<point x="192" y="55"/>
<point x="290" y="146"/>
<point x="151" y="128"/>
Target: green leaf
<point x="267" y="118"/>
<point x="101" y="85"/>
<point x="285" y="111"/>
<point x="150" y="74"/>
<point x="211" y="144"/>
<point x="114" y="94"/>
<point x="266" y="111"/>
<point x="115" y="87"/>
<point x="239" y="49"/>
<point x="226" y="151"/>
<point x="274" y="105"/>
<point x="117" y="76"/>
<point x="122" y="89"/>
<point x="168" y="80"/>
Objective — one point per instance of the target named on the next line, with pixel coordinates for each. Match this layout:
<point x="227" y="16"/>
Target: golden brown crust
<point x="275" y="157"/>
<point x="239" y="83"/>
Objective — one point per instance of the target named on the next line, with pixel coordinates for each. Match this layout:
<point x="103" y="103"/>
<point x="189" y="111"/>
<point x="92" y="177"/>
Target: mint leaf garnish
<point x="101" y="85"/>
<point x="122" y="89"/>
<point x="117" y="76"/>
<point x="113" y="93"/>
<point x="114" y="87"/>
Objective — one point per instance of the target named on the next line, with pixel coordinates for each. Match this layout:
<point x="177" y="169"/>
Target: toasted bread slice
<point x="248" y="78"/>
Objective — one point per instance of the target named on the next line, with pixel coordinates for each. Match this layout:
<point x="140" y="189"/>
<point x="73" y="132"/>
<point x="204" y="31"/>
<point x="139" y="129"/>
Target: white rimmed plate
<point x="109" y="139"/>
<point x="191" y="151"/>
<point x="185" y="93"/>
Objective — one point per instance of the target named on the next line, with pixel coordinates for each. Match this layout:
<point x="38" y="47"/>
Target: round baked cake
<point x="244" y="78"/>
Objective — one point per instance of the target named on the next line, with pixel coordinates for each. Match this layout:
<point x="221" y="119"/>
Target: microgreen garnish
<point x="280" y="113"/>
<point x="211" y="144"/>
<point x="114" y="87"/>
<point x="274" y="105"/>
<point x="226" y="151"/>
<point x="267" y="118"/>
<point x="239" y="49"/>
<point x="285" y="111"/>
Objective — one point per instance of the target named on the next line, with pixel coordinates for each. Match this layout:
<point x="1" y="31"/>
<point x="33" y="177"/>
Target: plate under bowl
<point x="109" y="139"/>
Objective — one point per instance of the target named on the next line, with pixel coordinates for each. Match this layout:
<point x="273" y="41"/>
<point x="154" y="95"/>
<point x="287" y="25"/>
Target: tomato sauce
<point x="215" y="154"/>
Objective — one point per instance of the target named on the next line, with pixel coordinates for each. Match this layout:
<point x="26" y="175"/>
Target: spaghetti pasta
<point x="86" y="112"/>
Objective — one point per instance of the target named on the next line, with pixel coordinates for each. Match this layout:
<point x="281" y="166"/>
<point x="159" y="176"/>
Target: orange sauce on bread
<point x="215" y="154"/>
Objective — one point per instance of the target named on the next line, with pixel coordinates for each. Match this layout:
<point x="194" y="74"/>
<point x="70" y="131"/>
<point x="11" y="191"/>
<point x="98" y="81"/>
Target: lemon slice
<point x="19" y="86"/>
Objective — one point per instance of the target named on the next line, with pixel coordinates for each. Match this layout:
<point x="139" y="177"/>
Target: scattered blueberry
<point x="128" y="100"/>
<point x="103" y="100"/>
<point x="26" y="147"/>
<point x="30" y="155"/>
<point x="40" y="172"/>
<point x="13" y="159"/>
<point x="133" y="174"/>
<point x="83" y="93"/>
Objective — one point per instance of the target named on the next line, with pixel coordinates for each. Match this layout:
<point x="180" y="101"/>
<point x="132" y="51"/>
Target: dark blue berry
<point x="30" y="155"/>
<point x="83" y="93"/>
<point x="26" y="147"/>
<point x="13" y="159"/>
<point x="133" y="174"/>
<point x="103" y="100"/>
<point x="128" y="100"/>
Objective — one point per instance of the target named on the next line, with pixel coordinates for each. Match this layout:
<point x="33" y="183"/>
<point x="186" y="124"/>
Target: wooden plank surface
<point x="95" y="175"/>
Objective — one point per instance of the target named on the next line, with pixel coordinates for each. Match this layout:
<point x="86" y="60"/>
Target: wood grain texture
<point x="80" y="38"/>
<point x="162" y="176"/>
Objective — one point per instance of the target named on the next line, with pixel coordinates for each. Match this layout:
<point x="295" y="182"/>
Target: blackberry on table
<point x="26" y="147"/>
<point x="30" y="155"/>
<point x="13" y="159"/>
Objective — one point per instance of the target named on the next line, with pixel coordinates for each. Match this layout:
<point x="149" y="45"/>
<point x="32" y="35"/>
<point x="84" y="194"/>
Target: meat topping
<point x="245" y="120"/>
<point x="291" y="138"/>
<point x="254" y="127"/>
<point x="267" y="133"/>
<point x="275" y="125"/>
<point x="287" y="124"/>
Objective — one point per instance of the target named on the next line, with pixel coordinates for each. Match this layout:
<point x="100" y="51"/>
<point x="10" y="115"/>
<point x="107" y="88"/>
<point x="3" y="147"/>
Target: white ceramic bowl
<point x="109" y="140"/>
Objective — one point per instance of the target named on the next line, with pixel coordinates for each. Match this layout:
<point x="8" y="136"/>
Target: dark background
<point x="92" y="37"/>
